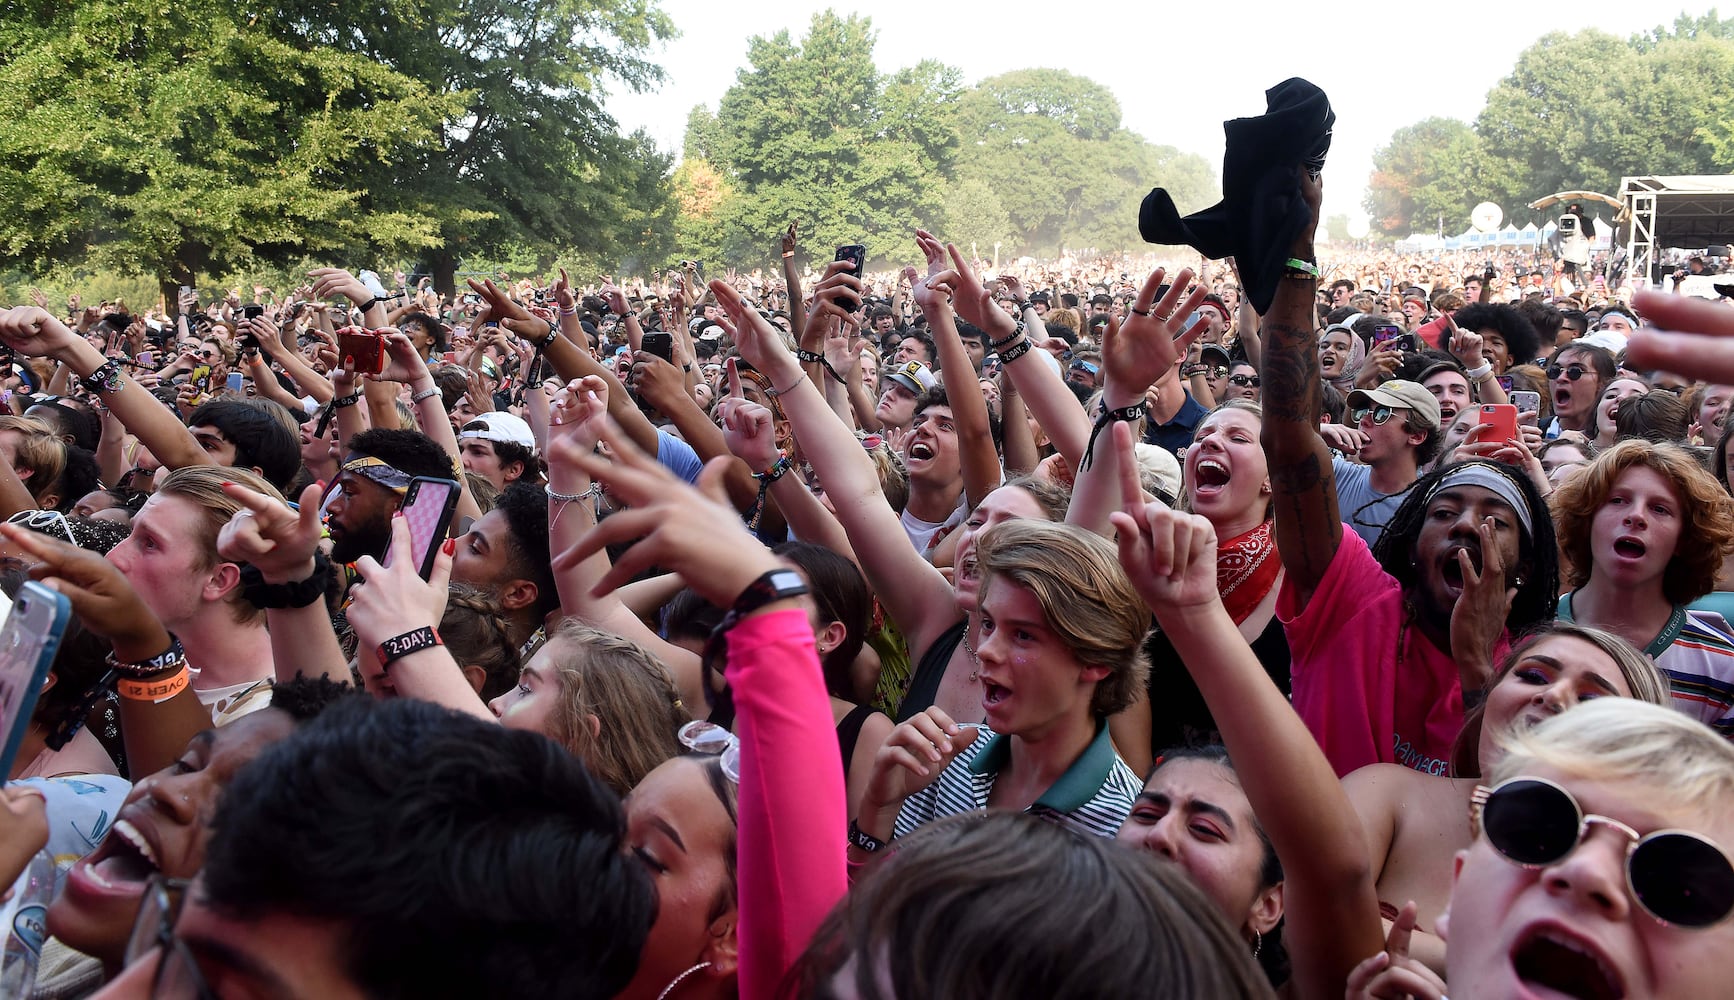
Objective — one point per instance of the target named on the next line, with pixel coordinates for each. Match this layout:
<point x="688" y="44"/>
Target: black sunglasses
<point x="1573" y="372"/>
<point x="1678" y="877"/>
<point x="1243" y="380"/>
<point x="1381" y="414"/>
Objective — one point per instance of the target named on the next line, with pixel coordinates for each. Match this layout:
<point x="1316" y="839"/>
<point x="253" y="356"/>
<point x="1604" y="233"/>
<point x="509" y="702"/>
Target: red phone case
<point x="1503" y="418"/>
<point x="361" y="352"/>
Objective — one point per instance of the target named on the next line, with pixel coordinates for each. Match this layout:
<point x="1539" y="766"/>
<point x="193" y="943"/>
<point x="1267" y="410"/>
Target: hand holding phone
<point x="28" y="642"/>
<point x="428" y="504"/>
<point x="361" y="352"/>
<point x="1526" y="402"/>
<point x="660" y="344"/>
<point x="856" y="255"/>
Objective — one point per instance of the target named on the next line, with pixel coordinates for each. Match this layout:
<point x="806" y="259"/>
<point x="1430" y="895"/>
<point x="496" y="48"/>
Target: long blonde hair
<point x="618" y="707"/>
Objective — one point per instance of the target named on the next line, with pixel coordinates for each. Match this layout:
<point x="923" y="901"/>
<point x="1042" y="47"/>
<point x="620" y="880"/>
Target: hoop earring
<point x="666" y="990"/>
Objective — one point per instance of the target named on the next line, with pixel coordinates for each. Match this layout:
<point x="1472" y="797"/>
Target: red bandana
<point x="1246" y="568"/>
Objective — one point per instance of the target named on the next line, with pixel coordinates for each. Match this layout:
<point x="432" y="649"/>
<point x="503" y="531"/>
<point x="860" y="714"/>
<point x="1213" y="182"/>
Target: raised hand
<point x="693" y="532"/>
<point x="332" y="281"/>
<point x="974" y="302"/>
<point x="1169" y="555"/>
<point x="789" y="241"/>
<point x="574" y="424"/>
<point x="913" y="756"/>
<point x="758" y="341"/>
<point x="267" y="535"/>
<point x="1481" y="609"/>
<point x="392" y="600"/>
<point x="1391" y="974"/>
<point x="1154" y="336"/>
<point x="748" y="428"/>
<point x="35" y="332"/>
<point x="563" y="292"/>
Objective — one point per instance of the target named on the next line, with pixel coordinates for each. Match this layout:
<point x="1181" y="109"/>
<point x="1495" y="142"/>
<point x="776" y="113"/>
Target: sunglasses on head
<point x="1381" y="414"/>
<point x="1243" y="380"/>
<point x="1573" y="372"/>
<point x="1678" y="877"/>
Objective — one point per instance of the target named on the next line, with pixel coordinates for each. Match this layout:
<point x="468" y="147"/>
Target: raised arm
<point x="281" y="545"/>
<point x="1328" y="894"/>
<point x="916" y="596"/>
<point x="748" y="430"/>
<point x="1304" y="489"/>
<point x="32" y="331"/>
<point x="976" y="452"/>
<point x="1134" y="355"/>
<point x="792" y="281"/>
<point x="1042" y="387"/>
<point x="793" y="810"/>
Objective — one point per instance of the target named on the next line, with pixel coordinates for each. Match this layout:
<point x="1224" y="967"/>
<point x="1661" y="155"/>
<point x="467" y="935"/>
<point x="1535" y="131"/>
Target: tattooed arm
<point x="1308" y="526"/>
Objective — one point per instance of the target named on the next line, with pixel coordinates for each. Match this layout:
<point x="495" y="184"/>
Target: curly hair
<point x="1706" y="516"/>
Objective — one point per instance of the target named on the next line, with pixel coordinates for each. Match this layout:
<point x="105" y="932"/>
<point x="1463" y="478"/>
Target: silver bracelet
<point x="594" y="490"/>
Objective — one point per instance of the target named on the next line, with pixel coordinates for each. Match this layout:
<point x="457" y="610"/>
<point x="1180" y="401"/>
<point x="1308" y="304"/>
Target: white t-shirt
<point x="924" y="535"/>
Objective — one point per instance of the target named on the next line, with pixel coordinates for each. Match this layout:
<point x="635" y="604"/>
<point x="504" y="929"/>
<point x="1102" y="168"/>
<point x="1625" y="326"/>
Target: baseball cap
<point x="497" y="425"/>
<point x="914" y="376"/>
<point x="1400" y="394"/>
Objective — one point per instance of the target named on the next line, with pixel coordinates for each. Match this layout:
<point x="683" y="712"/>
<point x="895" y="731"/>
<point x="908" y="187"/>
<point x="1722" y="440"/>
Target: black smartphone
<point x="428" y="503"/>
<point x="855" y="254"/>
<point x="661" y="345"/>
<point x="252" y="312"/>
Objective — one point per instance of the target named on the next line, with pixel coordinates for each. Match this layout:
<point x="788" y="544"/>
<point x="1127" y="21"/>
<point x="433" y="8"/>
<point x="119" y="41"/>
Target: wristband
<point x="153" y="666"/>
<point x="553" y="332"/>
<point x="813" y="358"/>
<point x="1297" y="268"/>
<point x="106" y="378"/>
<point x="414" y="641"/>
<point x="773" y="586"/>
<point x="155" y="691"/>
<point x="786" y="256"/>
<point x="297" y="594"/>
<point x="1018" y="331"/>
<point x="1477" y="374"/>
<point x="340" y="402"/>
<point x="864" y="840"/>
<point x="1011" y="354"/>
<point x="568" y="312"/>
<point x="778" y="469"/>
<point x="1125" y="413"/>
<point x="427" y="393"/>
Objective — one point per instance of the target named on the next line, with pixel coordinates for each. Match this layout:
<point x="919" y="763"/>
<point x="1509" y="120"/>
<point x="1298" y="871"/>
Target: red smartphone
<point x="362" y="352"/>
<point x="428" y="504"/>
<point x="1502" y="417"/>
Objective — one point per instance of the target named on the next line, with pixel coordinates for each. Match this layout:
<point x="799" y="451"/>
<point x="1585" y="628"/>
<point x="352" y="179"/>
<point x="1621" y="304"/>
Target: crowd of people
<point x="1062" y="629"/>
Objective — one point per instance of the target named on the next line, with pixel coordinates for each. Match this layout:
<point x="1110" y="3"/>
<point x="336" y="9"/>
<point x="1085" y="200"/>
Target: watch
<point x="773" y="586"/>
<point x="414" y="641"/>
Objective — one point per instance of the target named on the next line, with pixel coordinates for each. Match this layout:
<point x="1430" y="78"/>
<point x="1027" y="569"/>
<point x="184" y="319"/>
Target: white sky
<point x="1381" y="63"/>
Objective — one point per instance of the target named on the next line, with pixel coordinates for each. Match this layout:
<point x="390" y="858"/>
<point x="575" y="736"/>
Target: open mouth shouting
<point x="919" y="450"/>
<point x="1627" y="547"/>
<point x="1552" y="962"/>
<point x="1451" y="570"/>
<point x="993" y="695"/>
<point x="1209" y="477"/>
<point x="120" y="865"/>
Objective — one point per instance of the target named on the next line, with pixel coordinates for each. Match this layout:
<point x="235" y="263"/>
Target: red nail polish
<point x="450" y="546"/>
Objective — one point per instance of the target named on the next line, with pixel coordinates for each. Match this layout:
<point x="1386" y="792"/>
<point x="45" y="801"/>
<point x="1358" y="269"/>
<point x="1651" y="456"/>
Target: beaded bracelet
<point x="1018" y="331"/>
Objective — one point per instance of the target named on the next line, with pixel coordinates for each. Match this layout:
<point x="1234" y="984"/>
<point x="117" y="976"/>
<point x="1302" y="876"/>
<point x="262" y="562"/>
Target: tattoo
<point x="1303" y="475"/>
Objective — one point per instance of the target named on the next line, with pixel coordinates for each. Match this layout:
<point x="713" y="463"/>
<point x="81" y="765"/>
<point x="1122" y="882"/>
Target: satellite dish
<point x="1358" y="228"/>
<point x="1486" y="217"/>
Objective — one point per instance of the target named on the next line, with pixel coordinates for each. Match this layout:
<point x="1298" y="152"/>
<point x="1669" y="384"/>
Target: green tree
<point x="811" y="131"/>
<point x="1430" y="174"/>
<point x="974" y="215"/>
<point x="198" y="143"/>
<point x="1050" y="145"/>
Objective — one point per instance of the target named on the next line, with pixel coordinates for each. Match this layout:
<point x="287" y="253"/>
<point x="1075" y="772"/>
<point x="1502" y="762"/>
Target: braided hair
<point x="476" y="631"/>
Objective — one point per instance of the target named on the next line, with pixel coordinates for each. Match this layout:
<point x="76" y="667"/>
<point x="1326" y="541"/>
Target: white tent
<point x="1530" y="235"/>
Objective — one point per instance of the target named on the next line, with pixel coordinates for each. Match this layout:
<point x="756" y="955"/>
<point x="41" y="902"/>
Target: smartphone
<point x="146" y="359"/>
<point x="28" y="643"/>
<point x="661" y="345"/>
<point x="1385" y="333"/>
<point x="855" y="254"/>
<point x="201" y="378"/>
<point x="236" y="381"/>
<point x="362" y="353"/>
<point x="1526" y="402"/>
<point x="451" y="357"/>
<point x="428" y="504"/>
<point x="1502" y="417"/>
<point x="252" y="312"/>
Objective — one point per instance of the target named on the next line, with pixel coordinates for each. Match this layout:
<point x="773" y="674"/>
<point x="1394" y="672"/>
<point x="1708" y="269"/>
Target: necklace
<point x="975" y="661"/>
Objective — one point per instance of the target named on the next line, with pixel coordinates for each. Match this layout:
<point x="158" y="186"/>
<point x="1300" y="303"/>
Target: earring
<point x="1257" y="944"/>
<point x="666" y="990"/>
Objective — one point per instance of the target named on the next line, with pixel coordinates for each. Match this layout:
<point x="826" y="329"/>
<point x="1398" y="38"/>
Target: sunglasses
<point x="1243" y="380"/>
<point x="47" y="522"/>
<point x="1678" y="877"/>
<point x="1574" y="372"/>
<point x="1381" y="414"/>
<point x="700" y="736"/>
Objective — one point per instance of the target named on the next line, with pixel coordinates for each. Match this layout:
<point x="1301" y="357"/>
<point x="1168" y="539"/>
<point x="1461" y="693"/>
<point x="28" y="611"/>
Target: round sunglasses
<point x="1381" y="414"/>
<point x="1573" y="372"/>
<point x="1677" y="876"/>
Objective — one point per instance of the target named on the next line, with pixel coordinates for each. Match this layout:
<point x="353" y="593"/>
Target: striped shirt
<point x="1696" y="653"/>
<point x="1093" y="797"/>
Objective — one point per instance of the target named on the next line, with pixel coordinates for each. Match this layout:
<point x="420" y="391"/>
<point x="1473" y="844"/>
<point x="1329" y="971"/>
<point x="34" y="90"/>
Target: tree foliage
<point x="1578" y="111"/>
<point x="220" y="137"/>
